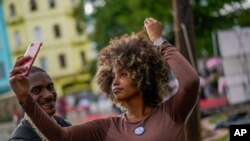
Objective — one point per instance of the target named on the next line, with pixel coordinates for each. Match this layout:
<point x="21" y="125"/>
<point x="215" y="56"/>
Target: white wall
<point x="234" y="45"/>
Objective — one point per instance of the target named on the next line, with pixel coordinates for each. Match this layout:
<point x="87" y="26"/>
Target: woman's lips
<point x="117" y="90"/>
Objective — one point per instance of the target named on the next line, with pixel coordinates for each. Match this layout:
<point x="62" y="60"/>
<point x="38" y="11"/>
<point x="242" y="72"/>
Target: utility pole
<point x="184" y="41"/>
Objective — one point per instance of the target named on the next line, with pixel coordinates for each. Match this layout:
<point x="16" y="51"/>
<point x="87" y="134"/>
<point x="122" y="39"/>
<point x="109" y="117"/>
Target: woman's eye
<point x="35" y="90"/>
<point x="112" y="77"/>
<point x="124" y="74"/>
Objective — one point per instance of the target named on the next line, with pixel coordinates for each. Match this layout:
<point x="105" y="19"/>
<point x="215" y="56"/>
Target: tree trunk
<point x="184" y="41"/>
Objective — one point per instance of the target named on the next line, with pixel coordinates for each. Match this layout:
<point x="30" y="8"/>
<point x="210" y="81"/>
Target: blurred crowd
<point x="212" y="82"/>
<point x="84" y="107"/>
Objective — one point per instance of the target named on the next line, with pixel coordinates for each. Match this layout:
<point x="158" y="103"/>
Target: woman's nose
<point x="115" y="81"/>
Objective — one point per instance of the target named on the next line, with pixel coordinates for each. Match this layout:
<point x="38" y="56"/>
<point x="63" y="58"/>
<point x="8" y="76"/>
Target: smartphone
<point x="31" y="51"/>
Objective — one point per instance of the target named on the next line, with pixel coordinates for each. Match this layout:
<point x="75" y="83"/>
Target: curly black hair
<point x="144" y="62"/>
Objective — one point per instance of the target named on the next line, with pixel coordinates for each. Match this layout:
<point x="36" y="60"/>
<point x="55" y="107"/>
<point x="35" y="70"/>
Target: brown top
<point x="166" y="122"/>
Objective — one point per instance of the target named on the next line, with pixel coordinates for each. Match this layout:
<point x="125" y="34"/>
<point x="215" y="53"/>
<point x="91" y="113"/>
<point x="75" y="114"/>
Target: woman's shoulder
<point x="103" y="122"/>
<point x="163" y="107"/>
<point x="106" y="119"/>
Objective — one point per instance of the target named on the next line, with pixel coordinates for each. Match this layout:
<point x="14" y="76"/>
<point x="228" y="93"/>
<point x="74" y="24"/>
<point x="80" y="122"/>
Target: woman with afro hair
<point x="133" y="73"/>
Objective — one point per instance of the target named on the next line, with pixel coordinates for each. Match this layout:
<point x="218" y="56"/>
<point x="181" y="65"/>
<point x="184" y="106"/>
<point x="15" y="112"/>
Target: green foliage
<point x="217" y="118"/>
<point x="78" y="15"/>
<point x="117" y="17"/>
<point x="208" y="19"/>
<point x="224" y="138"/>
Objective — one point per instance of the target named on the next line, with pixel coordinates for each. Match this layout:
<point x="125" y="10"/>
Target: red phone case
<point x="32" y="51"/>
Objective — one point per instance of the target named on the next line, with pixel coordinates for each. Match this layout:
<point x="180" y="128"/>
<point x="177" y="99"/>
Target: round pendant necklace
<point x="139" y="130"/>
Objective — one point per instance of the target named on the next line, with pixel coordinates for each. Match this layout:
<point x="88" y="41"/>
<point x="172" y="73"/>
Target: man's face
<point x="43" y="92"/>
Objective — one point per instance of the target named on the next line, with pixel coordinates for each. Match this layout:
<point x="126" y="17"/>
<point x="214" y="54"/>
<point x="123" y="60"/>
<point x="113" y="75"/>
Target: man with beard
<point x="43" y="92"/>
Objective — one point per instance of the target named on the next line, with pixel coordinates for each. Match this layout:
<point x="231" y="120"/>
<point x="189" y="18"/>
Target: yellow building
<point x="65" y="54"/>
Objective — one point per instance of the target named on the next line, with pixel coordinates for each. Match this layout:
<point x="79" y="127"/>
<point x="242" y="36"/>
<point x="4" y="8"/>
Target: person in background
<point x="62" y="107"/>
<point x="203" y="86"/>
<point x="213" y="83"/>
<point x="16" y="114"/>
<point x="133" y="73"/>
<point x="42" y="90"/>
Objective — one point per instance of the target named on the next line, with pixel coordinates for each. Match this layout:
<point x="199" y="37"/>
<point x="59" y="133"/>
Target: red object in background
<point x="62" y="104"/>
<point x="96" y="116"/>
<point x="213" y="62"/>
<point x="212" y="103"/>
<point x="16" y="114"/>
<point x="93" y="117"/>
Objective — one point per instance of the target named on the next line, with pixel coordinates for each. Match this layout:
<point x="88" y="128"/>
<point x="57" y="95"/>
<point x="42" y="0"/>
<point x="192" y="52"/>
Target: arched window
<point x="83" y="58"/>
<point x="38" y="33"/>
<point x="18" y="39"/>
<point x="43" y="63"/>
<point x="2" y="70"/>
<point x="12" y="10"/>
<point x="33" y="5"/>
<point x="62" y="60"/>
<point x="57" y="31"/>
<point x="52" y="3"/>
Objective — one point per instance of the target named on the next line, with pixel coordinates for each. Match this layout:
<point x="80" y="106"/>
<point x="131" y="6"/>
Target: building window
<point x="62" y="61"/>
<point x="57" y="31"/>
<point x="33" y="5"/>
<point x="12" y="10"/>
<point x="74" y="3"/>
<point x="17" y="37"/>
<point x="2" y="70"/>
<point x="43" y="63"/>
<point x="52" y="3"/>
<point x="83" y="58"/>
<point x="37" y="34"/>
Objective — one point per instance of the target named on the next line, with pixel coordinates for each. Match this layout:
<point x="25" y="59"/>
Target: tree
<point x="184" y="35"/>
<point x="77" y="13"/>
<point x="211" y="15"/>
<point x="119" y="17"/>
<point x="114" y="17"/>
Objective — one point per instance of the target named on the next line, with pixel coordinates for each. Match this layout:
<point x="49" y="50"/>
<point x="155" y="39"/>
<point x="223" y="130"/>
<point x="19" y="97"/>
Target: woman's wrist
<point x="159" y="41"/>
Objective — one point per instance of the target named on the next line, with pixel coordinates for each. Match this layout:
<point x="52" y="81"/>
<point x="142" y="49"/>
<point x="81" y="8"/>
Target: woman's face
<point x="122" y="87"/>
